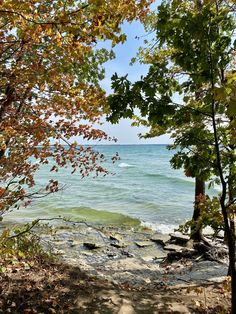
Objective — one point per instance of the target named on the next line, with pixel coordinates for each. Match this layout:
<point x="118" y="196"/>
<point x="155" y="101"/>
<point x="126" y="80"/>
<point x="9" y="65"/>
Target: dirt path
<point x="57" y="288"/>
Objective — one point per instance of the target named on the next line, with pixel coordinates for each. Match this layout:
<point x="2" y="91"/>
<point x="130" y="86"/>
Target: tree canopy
<point x="50" y="69"/>
<point x="189" y="92"/>
<point x="191" y="59"/>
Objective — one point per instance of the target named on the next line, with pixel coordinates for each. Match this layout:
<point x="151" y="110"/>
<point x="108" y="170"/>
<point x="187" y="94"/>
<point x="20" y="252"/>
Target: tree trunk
<point x="231" y="215"/>
<point x="230" y="235"/>
<point x="231" y="244"/>
<point x="196" y="229"/>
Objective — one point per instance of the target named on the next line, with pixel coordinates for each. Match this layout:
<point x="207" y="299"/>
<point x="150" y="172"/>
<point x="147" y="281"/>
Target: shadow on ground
<point x="65" y="289"/>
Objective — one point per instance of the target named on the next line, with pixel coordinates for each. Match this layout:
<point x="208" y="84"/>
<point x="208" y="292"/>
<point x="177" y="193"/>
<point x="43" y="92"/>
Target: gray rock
<point x="116" y="237"/>
<point x="174" y="247"/>
<point x="159" y="256"/>
<point x="148" y="258"/>
<point x="87" y="253"/>
<point x="127" y="253"/>
<point x="143" y="243"/>
<point x="190" y="244"/>
<point x="217" y="279"/>
<point x="160" y="238"/>
<point x="179" y="238"/>
<point x="118" y="244"/>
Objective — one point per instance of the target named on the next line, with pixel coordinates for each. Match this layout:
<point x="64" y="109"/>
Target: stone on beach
<point x="144" y="259"/>
<point x="143" y="243"/>
<point x="160" y="238"/>
<point x="117" y="237"/>
<point x="179" y="238"/>
<point x="118" y="244"/>
<point x="174" y="247"/>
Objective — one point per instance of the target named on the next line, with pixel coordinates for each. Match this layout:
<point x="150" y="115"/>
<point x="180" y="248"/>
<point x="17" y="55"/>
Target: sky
<point x="123" y="131"/>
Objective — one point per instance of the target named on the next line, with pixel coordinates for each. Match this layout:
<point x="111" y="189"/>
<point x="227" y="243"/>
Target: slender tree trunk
<point x="231" y="218"/>
<point x="228" y="223"/>
<point x="230" y="235"/>
<point x="196" y="229"/>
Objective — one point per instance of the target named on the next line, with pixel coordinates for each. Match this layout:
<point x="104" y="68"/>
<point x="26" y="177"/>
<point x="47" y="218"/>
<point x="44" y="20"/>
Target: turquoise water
<point x="143" y="187"/>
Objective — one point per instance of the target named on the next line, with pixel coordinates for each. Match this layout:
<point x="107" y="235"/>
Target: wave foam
<point x="125" y="165"/>
<point x="161" y="228"/>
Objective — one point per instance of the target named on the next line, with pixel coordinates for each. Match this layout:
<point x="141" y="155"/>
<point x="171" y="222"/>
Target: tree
<point x="50" y="70"/>
<point x="189" y="92"/>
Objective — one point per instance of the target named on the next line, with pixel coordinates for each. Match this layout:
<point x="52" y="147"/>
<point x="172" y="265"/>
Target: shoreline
<point x="135" y="256"/>
<point x="110" y="269"/>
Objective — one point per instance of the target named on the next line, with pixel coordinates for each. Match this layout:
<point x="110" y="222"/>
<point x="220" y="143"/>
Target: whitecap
<point x="161" y="228"/>
<point x="125" y="165"/>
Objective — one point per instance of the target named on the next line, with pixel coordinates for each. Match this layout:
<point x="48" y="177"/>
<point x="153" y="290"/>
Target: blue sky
<point x="124" y="52"/>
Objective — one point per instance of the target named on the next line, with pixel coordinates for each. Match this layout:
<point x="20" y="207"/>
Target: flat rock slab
<point x="179" y="237"/>
<point x="160" y="238"/>
<point x="217" y="279"/>
<point x="159" y="256"/>
<point x="87" y="253"/>
<point x="117" y="237"/>
<point x="118" y="244"/>
<point x="143" y="243"/>
<point x="131" y="264"/>
<point x="174" y="248"/>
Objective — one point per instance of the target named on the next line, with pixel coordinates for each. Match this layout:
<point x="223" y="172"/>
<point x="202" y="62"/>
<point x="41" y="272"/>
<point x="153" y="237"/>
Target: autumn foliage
<point x="50" y="70"/>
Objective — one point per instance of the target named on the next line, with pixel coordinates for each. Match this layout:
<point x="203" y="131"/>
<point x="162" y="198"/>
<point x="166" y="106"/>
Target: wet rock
<point x="160" y="238"/>
<point x="143" y="243"/>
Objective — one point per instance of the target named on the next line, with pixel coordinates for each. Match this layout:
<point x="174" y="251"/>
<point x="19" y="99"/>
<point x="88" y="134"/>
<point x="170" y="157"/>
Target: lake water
<point x="143" y="187"/>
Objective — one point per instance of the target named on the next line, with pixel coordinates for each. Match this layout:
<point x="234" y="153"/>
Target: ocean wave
<point x="125" y="165"/>
<point x="97" y="216"/>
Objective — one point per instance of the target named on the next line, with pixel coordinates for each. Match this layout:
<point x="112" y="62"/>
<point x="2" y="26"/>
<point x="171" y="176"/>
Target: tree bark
<point x="196" y="229"/>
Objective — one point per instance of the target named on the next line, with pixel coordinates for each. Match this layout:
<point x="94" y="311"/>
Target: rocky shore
<point x="137" y="256"/>
<point x="120" y="270"/>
